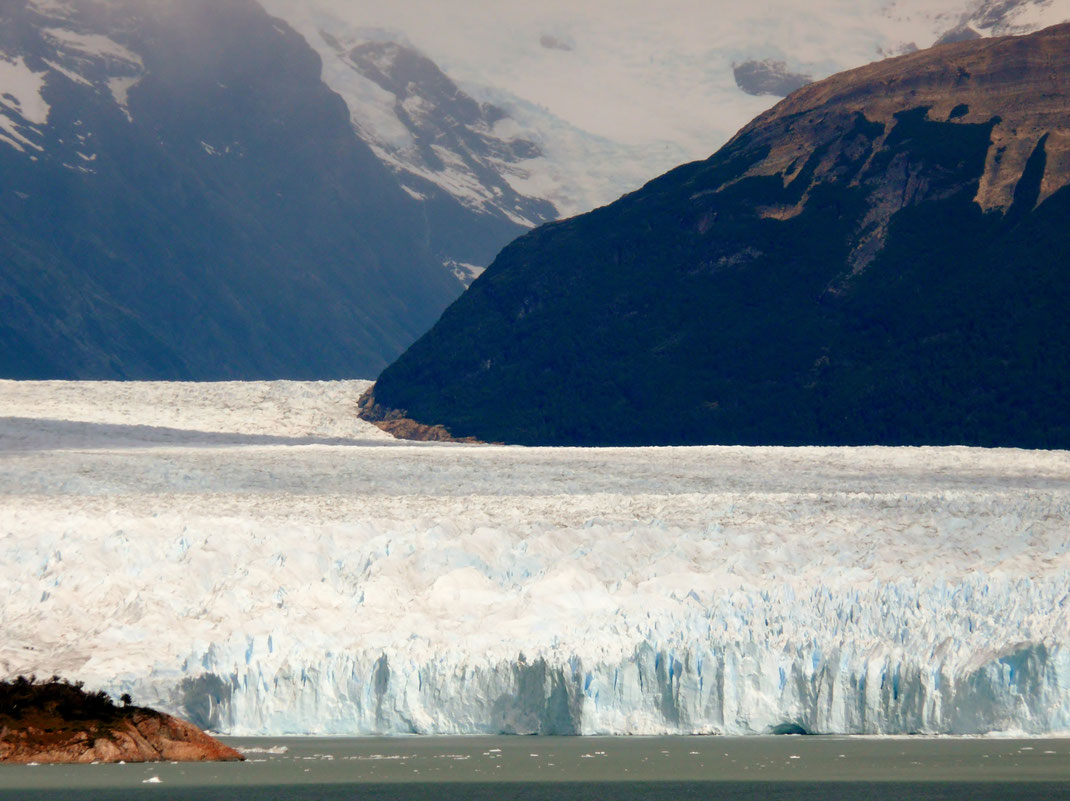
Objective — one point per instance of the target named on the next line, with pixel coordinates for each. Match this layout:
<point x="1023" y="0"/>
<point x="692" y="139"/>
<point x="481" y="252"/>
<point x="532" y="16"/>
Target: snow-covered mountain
<point x="71" y="46"/>
<point x="446" y="148"/>
<point x="256" y="558"/>
<point x="497" y="153"/>
<point x="183" y="196"/>
<point x="600" y="97"/>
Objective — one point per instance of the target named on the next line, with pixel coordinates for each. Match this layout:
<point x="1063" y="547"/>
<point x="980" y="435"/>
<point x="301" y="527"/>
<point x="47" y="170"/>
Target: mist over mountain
<point x="184" y="198"/>
<point x="450" y="152"/>
<point x="879" y="259"/>
<point x="504" y="156"/>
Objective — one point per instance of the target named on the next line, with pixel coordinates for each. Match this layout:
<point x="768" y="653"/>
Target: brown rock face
<point x="397" y="424"/>
<point x="57" y="722"/>
<point x="145" y="737"/>
<point x="1019" y="86"/>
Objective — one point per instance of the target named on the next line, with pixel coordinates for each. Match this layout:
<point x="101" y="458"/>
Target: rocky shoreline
<point x="56" y="722"/>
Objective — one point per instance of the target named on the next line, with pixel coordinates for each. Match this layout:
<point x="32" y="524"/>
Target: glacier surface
<point x="255" y="558"/>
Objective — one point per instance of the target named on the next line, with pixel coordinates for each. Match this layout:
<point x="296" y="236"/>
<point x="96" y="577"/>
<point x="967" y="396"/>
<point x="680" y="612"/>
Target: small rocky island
<point x="57" y="721"/>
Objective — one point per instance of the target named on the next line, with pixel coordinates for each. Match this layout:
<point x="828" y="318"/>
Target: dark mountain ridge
<point x="186" y="199"/>
<point x="879" y="259"/>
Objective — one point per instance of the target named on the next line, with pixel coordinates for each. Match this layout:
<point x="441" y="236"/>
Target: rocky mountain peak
<point x="1010" y="94"/>
<point x="453" y="141"/>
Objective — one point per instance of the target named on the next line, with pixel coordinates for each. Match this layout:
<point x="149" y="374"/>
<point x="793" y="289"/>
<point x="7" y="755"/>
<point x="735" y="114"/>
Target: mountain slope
<point x="612" y="94"/>
<point x="452" y="153"/>
<point x="184" y="198"/>
<point x="878" y="259"/>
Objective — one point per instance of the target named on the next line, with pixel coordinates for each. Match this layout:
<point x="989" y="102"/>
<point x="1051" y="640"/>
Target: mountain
<point x="178" y="204"/>
<point x="449" y="151"/>
<point x="601" y="97"/>
<point x="183" y="197"/>
<point x="878" y="259"/>
<point x="489" y="165"/>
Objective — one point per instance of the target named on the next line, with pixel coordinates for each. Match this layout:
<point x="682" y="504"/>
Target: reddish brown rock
<point x="57" y="722"/>
<point x="399" y="425"/>
<point x="1021" y="83"/>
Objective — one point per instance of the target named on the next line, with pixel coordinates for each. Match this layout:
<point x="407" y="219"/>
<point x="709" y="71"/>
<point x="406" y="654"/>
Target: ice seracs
<point x="259" y="560"/>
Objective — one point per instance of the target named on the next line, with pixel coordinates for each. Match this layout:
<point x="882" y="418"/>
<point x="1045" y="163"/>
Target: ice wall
<point x="263" y="563"/>
<point x="886" y="660"/>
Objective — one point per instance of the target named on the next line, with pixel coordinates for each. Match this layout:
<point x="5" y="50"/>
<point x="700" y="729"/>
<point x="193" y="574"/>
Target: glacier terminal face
<point x="257" y="559"/>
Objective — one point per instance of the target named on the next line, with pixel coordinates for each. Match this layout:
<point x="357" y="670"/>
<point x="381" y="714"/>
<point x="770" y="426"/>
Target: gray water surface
<point x="444" y="768"/>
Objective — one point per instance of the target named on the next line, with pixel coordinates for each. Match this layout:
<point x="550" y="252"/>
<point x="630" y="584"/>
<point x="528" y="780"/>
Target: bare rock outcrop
<point x="57" y="722"/>
<point x="399" y="425"/>
<point x="1016" y="87"/>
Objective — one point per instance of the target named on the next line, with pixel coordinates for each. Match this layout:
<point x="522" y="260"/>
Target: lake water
<point x="579" y="769"/>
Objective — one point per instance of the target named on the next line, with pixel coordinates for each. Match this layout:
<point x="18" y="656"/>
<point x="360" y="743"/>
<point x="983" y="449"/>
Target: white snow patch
<point x="92" y="44"/>
<point x="10" y="136"/>
<point x="464" y="272"/>
<point x="120" y="90"/>
<point x="372" y="107"/>
<point x="74" y="76"/>
<point x="20" y="90"/>
<point x="16" y="135"/>
<point x="417" y="107"/>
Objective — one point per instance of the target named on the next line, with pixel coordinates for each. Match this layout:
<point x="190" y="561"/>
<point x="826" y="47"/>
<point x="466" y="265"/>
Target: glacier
<point x="255" y="558"/>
